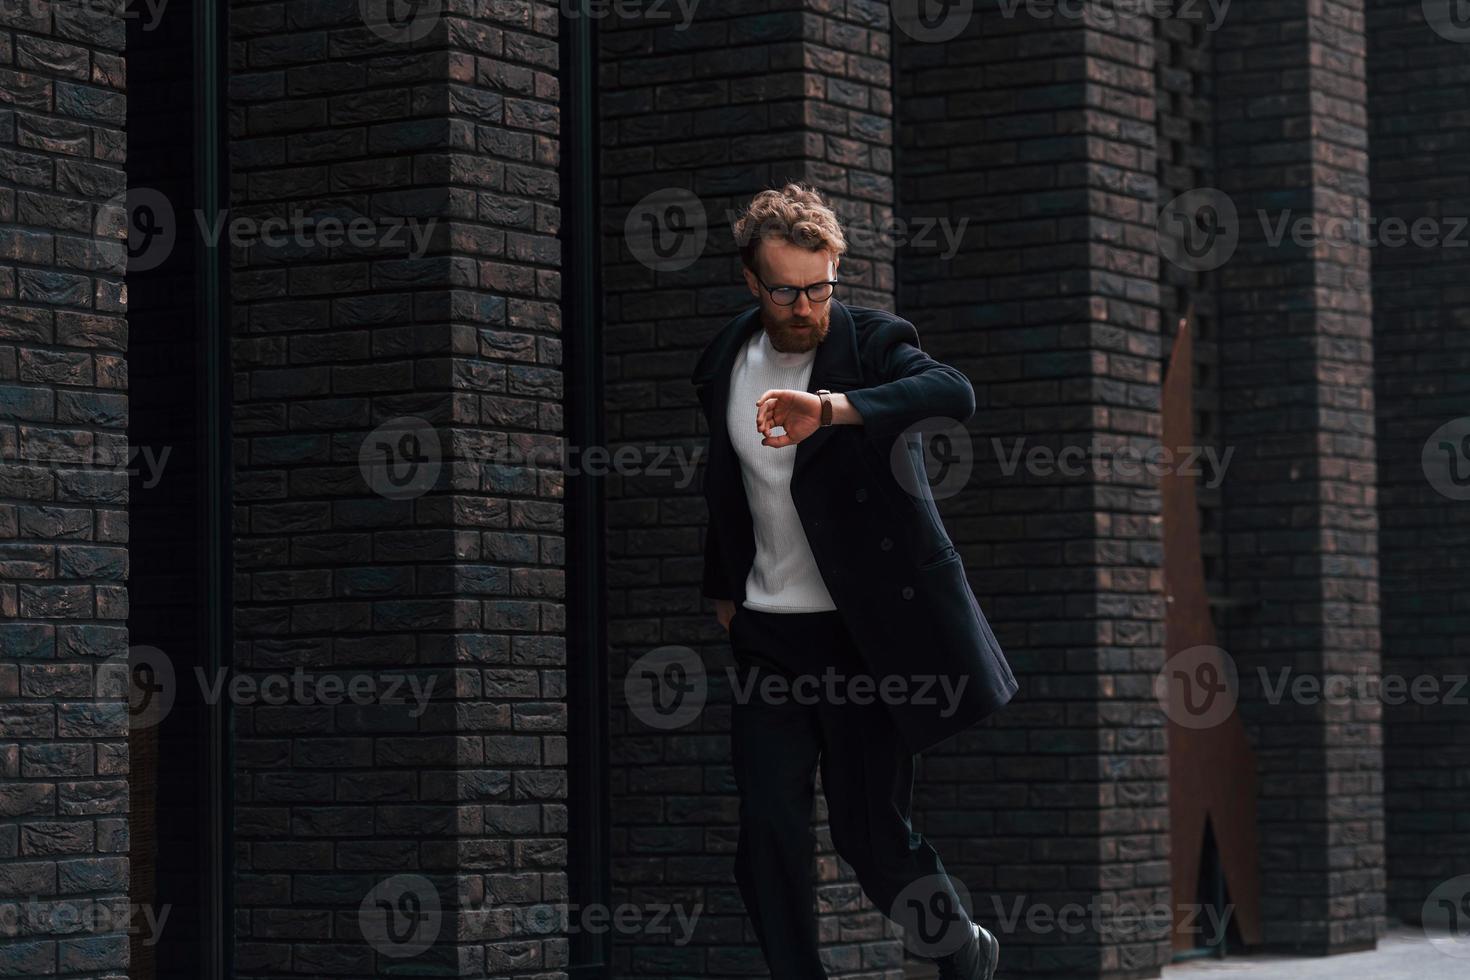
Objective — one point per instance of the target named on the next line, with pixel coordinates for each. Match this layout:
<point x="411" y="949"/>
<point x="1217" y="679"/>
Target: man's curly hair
<point x="796" y="213"/>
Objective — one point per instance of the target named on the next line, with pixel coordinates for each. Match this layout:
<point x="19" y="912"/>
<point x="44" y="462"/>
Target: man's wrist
<point x="842" y="411"/>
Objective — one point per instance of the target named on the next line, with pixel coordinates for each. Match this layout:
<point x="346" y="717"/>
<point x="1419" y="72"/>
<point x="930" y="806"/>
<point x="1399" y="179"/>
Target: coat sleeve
<point x="715" y="586"/>
<point x="914" y="387"/>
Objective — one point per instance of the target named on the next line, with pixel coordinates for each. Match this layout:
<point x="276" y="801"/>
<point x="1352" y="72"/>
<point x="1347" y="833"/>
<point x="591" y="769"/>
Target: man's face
<point x="802" y="325"/>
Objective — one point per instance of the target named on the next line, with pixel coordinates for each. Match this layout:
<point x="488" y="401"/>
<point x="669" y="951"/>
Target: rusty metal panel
<point x="1212" y="770"/>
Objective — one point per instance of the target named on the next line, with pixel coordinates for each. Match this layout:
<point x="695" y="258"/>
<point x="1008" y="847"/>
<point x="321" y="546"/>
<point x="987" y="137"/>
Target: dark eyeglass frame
<point x="831" y="283"/>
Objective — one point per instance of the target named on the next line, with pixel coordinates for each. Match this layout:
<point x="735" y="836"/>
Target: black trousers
<point x="777" y="743"/>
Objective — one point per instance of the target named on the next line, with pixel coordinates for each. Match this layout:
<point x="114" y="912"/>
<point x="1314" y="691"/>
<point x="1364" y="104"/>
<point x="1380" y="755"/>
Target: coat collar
<point x="835" y="368"/>
<point x="836" y="362"/>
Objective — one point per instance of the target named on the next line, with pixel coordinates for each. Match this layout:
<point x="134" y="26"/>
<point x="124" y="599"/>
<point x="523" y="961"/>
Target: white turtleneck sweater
<point x="784" y="577"/>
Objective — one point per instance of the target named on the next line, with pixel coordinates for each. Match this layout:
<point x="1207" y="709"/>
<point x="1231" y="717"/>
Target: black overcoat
<point x="882" y="550"/>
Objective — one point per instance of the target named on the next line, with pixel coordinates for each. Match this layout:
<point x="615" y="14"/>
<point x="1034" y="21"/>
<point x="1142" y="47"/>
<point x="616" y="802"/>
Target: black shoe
<point x="976" y="960"/>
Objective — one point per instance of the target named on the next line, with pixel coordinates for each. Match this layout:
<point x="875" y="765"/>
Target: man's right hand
<point x="725" y="611"/>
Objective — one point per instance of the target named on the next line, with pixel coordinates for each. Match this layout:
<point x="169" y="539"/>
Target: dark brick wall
<point x="750" y="95"/>
<point x="63" y="495"/>
<point x="1419" y="143"/>
<point x="461" y="580"/>
<point x="1300" y="502"/>
<point x="1057" y="140"/>
<point x="1041" y="132"/>
<point x="1184" y="77"/>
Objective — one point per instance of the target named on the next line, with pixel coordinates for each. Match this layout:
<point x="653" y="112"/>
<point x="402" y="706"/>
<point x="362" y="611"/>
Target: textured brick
<point x="63" y="127"/>
<point x="1300" y="489"/>
<point x="332" y="577"/>
<point x="1420" y="354"/>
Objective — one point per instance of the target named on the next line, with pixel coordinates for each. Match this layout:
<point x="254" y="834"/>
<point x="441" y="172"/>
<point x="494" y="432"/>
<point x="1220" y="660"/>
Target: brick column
<point x="453" y="573"/>
<point x="63" y="495"/>
<point x="712" y="112"/>
<point x="1035" y="139"/>
<point x="1421" y="310"/>
<point x="1300" y="509"/>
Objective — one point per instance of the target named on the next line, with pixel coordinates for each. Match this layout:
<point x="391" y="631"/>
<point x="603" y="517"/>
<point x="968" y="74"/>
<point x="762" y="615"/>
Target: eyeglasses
<point x="817" y="292"/>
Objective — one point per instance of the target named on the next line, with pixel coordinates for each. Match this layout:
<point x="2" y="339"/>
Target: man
<point x="830" y="568"/>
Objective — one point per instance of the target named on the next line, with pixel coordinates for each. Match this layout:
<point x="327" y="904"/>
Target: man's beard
<point x="789" y="340"/>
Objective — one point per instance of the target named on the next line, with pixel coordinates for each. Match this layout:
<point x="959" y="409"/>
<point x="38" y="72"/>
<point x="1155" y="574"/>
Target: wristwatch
<point x="824" y="394"/>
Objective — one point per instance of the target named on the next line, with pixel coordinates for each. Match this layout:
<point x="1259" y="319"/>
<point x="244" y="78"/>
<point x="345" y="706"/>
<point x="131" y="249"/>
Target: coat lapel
<point x="834" y="368"/>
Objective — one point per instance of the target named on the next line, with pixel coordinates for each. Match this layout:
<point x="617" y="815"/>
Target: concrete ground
<point x="1404" y="953"/>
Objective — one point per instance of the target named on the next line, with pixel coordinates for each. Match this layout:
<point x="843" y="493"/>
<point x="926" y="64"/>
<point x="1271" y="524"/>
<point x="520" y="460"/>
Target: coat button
<point x="862" y="494"/>
<point x="908" y="591"/>
<point x="886" y="544"/>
